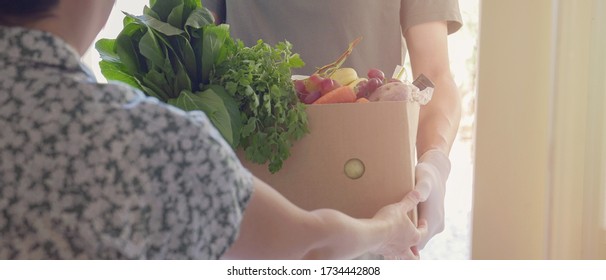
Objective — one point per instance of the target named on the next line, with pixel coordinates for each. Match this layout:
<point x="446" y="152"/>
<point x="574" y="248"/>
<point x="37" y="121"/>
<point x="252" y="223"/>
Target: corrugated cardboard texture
<point x="380" y="134"/>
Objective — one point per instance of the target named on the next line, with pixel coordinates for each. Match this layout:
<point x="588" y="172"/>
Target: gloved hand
<point x="431" y="173"/>
<point x="404" y="235"/>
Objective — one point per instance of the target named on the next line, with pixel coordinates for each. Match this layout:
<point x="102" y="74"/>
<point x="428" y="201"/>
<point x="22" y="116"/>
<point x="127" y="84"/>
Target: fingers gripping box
<point x="357" y="158"/>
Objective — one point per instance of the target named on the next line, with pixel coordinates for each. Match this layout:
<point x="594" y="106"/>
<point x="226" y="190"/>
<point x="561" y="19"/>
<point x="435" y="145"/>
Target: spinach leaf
<point x="199" y="18"/>
<point x="157" y="81"/>
<point x="107" y="50"/>
<point x="232" y="109"/>
<point x="182" y="80"/>
<point x="152" y="50"/>
<point x="185" y="53"/>
<point x="213" y="53"/>
<point x="175" y="18"/>
<point x="210" y="103"/>
<point x="126" y="48"/>
<point x="113" y="72"/>
<point x="164" y="7"/>
<point x="156" y="24"/>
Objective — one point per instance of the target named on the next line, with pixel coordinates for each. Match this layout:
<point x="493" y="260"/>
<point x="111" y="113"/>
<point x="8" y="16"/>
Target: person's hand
<point x="431" y="174"/>
<point x="404" y="235"/>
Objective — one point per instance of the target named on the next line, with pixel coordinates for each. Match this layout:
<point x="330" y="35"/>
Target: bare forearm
<point x="274" y="228"/>
<point x="344" y="237"/>
<point x="439" y="119"/>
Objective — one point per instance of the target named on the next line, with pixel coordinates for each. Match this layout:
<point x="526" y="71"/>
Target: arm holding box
<point x="438" y="120"/>
<point x="325" y="233"/>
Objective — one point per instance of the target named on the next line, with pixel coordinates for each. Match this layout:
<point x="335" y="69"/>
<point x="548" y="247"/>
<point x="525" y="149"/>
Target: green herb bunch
<point x="260" y="79"/>
<point x="176" y="53"/>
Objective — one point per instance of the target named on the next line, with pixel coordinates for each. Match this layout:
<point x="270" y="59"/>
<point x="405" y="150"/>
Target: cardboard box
<point x="381" y="135"/>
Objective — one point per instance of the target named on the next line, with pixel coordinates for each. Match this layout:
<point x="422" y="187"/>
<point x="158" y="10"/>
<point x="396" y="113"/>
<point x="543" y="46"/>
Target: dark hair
<point x="30" y="9"/>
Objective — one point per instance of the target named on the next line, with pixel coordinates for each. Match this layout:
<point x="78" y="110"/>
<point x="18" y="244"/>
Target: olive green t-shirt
<point x="320" y="30"/>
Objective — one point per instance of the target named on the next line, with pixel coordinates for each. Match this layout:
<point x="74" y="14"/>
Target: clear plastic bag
<point x="419" y="91"/>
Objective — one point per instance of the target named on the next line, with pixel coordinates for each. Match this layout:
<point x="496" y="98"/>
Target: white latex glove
<point x="431" y="174"/>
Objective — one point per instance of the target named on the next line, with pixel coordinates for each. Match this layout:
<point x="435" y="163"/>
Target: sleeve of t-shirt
<point x="217" y="7"/>
<point x="413" y="12"/>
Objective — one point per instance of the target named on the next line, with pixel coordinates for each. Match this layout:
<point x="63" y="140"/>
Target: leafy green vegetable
<point x="210" y="102"/>
<point x="175" y="52"/>
<point x="154" y="53"/>
<point x="260" y="79"/>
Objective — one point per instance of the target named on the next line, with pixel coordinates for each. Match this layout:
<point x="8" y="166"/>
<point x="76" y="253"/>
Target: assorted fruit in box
<point x="333" y="84"/>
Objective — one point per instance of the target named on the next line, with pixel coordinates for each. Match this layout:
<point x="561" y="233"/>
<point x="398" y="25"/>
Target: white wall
<point x="539" y="175"/>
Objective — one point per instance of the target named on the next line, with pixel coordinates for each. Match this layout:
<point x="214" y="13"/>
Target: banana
<point x="344" y="76"/>
<point x="356" y="82"/>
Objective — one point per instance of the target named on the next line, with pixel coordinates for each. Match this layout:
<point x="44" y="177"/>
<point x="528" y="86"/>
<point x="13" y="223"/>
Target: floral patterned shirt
<point x="99" y="171"/>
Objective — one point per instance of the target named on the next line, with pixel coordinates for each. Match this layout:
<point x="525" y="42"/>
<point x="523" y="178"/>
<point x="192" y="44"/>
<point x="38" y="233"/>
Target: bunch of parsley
<point x="176" y="53"/>
<point x="259" y="77"/>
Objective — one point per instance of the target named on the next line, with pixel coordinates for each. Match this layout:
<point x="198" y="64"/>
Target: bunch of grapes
<point x="364" y="88"/>
<point x="312" y="88"/>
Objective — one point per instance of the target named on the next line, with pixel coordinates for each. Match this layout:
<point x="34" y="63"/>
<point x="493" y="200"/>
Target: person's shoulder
<point x="146" y="107"/>
<point x="115" y="92"/>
